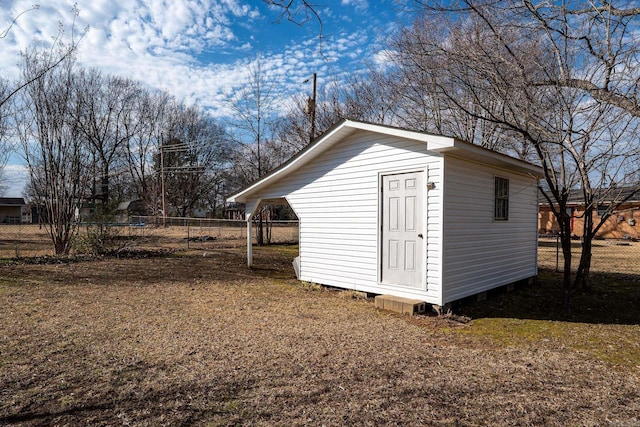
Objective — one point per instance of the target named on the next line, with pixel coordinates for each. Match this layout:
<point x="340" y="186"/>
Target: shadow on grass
<point x="173" y="405"/>
<point x="275" y="261"/>
<point x="613" y="299"/>
<point x="44" y="416"/>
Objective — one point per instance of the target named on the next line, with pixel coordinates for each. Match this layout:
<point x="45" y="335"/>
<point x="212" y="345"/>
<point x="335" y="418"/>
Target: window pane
<point x="501" y="206"/>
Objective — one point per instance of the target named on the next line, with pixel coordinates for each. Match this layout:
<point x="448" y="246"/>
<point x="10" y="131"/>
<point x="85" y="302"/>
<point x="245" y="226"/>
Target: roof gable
<point x="12" y="201"/>
<point x="345" y="128"/>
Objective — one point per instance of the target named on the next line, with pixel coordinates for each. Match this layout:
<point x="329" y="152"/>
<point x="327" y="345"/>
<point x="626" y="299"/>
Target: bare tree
<point x="427" y="107"/>
<point x="293" y="129"/>
<point x="370" y="95"/>
<point x="59" y="53"/>
<point x="602" y="37"/>
<point x="150" y="116"/>
<point x="54" y="148"/>
<point x="5" y="145"/>
<point x="494" y="65"/>
<point x="253" y="115"/>
<point x="196" y="155"/>
<point x="255" y="124"/>
<point x="9" y="90"/>
<point x="5" y="32"/>
<point x="106" y="121"/>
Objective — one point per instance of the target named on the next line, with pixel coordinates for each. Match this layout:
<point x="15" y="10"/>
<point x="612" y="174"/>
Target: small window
<point x="501" y="206"/>
<point x="602" y="210"/>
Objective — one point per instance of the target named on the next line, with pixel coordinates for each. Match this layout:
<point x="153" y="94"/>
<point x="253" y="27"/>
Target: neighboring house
<point x="390" y="211"/>
<point x="622" y="224"/>
<point x="126" y="210"/>
<point x="11" y="210"/>
<point x="199" y="213"/>
<point x="234" y="211"/>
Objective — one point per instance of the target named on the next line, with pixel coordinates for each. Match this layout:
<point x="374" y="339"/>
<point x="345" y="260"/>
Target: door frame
<point x="423" y="265"/>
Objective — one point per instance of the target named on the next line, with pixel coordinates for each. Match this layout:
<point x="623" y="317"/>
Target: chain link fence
<point x="608" y="255"/>
<point x="142" y="233"/>
<point x="155" y="233"/>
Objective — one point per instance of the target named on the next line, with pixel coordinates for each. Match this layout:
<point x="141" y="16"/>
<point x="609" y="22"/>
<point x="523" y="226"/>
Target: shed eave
<point x="338" y="132"/>
<point x="343" y="128"/>
<point x="484" y="155"/>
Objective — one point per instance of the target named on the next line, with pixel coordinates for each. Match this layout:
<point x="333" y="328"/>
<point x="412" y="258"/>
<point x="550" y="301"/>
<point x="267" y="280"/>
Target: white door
<point x="402" y="229"/>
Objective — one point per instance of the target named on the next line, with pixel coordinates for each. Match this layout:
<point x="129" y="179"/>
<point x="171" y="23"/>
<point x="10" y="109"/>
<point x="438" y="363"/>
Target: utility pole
<point x="311" y="108"/>
<point x="164" y="200"/>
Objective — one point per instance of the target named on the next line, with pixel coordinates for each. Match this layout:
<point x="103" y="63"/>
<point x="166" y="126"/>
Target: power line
<point x="181" y="146"/>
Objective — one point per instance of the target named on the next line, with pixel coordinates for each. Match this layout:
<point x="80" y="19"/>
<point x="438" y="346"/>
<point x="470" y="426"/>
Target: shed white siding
<point x="481" y="253"/>
<point x="336" y="198"/>
<point x="434" y="235"/>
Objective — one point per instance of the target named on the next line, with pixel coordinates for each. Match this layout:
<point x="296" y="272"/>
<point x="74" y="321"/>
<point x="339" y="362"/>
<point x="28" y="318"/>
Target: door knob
<point x="420" y="235"/>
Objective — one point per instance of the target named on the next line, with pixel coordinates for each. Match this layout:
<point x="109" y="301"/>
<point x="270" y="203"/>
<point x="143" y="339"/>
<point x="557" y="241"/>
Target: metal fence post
<point x="557" y="252"/>
<point x="188" y="236"/>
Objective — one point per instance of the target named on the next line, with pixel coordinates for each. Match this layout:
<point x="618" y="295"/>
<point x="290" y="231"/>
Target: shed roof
<point x="123" y="206"/>
<point x="12" y="201"/>
<point x="346" y="127"/>
<point x="602" y="195"/>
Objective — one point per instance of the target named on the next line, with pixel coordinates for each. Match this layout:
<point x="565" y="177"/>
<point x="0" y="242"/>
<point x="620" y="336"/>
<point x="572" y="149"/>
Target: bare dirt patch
<point x="196" y="338"/>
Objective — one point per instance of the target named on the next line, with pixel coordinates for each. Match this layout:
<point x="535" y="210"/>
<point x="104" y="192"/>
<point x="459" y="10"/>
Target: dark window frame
<point x="501" y="199"/>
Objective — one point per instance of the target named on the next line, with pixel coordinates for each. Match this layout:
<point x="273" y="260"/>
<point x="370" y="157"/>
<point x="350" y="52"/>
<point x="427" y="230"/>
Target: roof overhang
<point x="477" y="153"/>
<point x="344" y="128"/>
<point x="12" y="202"/>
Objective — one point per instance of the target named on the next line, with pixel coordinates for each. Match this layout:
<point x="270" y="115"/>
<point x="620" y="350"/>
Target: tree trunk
<point x="60" y="247"/>
<point x="269" y="224"/>
<point x="584" y="267"/>
<point x="565" y="241"/>
<point x="104" y="187"/>
<point x="260" y="231"/>
<point x="62" y="238"/>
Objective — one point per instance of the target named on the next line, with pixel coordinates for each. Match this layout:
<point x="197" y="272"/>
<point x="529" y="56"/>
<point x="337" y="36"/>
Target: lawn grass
<point x="603" y="323"/>
<point x="194" y="337"/>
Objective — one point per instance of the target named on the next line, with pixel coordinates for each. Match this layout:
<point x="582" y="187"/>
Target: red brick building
<point x="622" y="224"/>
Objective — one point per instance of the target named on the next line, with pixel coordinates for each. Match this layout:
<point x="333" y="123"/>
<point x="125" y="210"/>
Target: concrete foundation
<point x="400" y="304"/>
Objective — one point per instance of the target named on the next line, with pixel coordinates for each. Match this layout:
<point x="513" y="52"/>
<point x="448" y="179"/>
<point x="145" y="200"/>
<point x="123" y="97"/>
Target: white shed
<point x="385" y="210"/>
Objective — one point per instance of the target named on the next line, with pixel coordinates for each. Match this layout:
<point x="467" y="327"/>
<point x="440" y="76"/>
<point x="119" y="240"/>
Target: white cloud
<point x="197" y="50"/>
<point x="14" y="177"/>
<point x="140" y="26"/>
<point x="166" y="44"/>
<point x="383" y="58"/>
<point x="358" y="4"/>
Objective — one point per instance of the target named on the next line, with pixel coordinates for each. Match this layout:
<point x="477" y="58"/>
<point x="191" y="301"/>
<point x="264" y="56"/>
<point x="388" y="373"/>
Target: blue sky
<point x="199" y="50"/>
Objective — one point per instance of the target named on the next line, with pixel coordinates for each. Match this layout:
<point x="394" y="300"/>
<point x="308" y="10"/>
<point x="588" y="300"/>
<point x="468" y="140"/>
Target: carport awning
<point x="280" y="201"/>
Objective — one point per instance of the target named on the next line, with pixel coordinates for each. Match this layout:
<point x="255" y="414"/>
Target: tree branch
<point x="4" y="33"/>
<point x="600" y="94"/>
<point x="291" y="9"/>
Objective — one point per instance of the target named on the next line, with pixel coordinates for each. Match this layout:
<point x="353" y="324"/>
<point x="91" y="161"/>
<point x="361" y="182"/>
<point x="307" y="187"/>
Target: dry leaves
<point x="189" y="339"/>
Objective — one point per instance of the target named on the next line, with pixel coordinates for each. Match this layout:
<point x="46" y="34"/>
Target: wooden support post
<point x="249" y="243"/>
